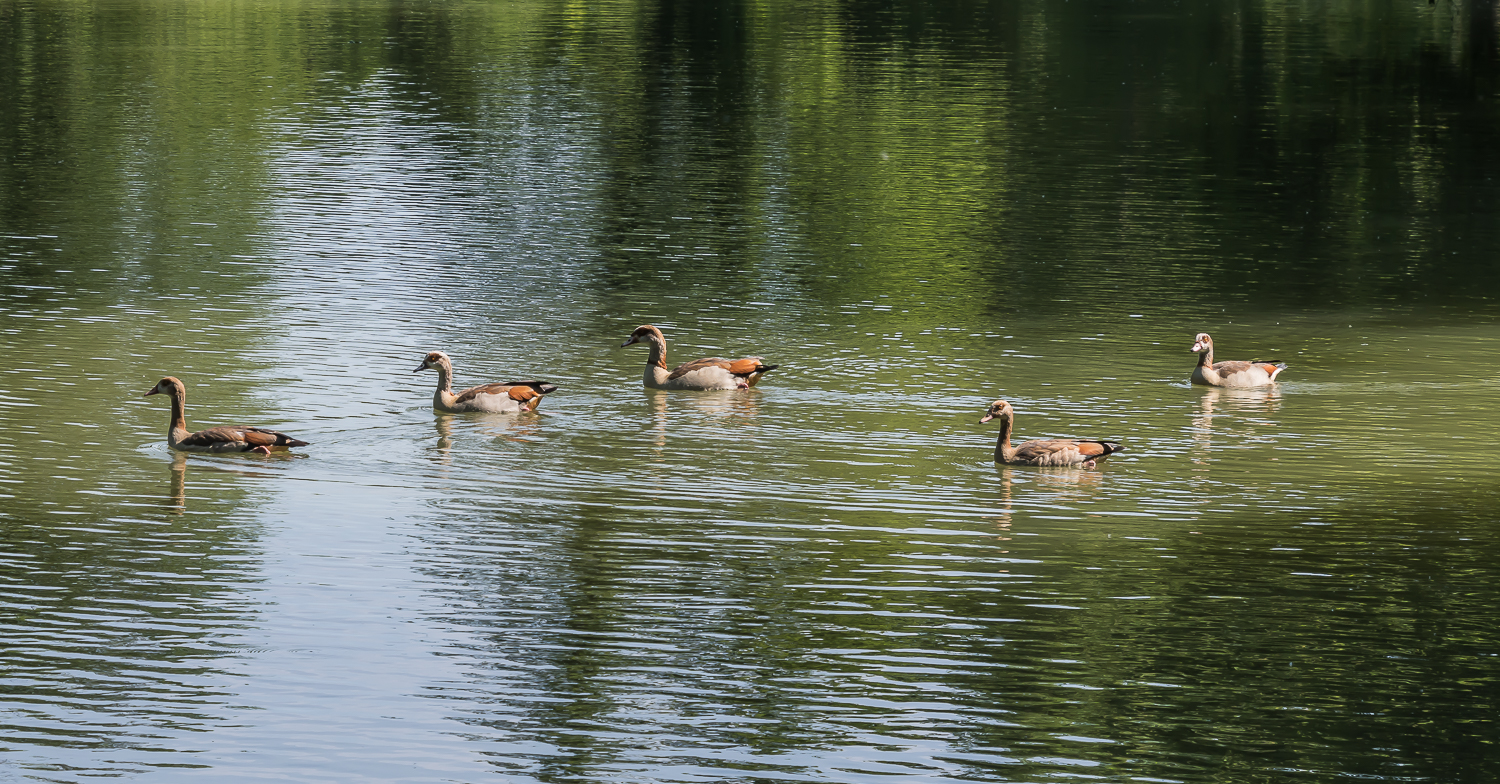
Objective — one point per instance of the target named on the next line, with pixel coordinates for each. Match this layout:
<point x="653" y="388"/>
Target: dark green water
<point x="914" y="209"/>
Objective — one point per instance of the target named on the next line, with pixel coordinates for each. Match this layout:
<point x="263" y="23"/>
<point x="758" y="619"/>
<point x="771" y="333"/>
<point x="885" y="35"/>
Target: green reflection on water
<point x="914" y="210"/>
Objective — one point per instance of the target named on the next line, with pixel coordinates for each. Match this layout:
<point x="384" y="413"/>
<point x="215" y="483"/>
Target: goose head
<point x="1202" y="343"/>
<point x="645" y="334"/>
<point x="433" y="361"/>
<point x="999" y="408"/>
<point x="167" y="386"/>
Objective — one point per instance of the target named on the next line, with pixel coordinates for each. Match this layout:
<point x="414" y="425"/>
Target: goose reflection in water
<point x="176" y="500"/>
<point x="1048" y="485"/>
<point x="444" y="447"/>
<point x="1217" y="401"/>
<point x="506" y="428"/>
<point x="1003" y="520"/>
<point x="723" y="404"/>
<point x="503" y="427"/>
<point x="737" y="407"/>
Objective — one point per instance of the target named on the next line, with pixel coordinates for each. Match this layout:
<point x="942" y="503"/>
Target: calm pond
<point x="913" y="209"/>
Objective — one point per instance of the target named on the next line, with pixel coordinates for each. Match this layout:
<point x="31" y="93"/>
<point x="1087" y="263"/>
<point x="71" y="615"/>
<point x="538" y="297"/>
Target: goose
<point x="1044" y="452"/>
<point x="701" y="374"/>
<point x="509" y="397"/>
<point x="1230" y="374"/>
<point x="225" y="438"/>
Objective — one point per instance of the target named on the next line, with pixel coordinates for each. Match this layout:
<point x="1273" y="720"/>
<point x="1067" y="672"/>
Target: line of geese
<point x="701" y="374"/>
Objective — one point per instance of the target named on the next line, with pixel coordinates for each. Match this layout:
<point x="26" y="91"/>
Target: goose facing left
<point x="225" y="438"/>
<point x="1232" y="373"/>
<point x="707" y="374"/>
<point x="1044" y="451"/>
<point x="510" y="397"/>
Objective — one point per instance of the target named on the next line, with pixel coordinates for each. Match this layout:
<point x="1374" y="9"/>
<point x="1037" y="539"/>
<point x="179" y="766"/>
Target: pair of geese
<point x="701" y="374"/>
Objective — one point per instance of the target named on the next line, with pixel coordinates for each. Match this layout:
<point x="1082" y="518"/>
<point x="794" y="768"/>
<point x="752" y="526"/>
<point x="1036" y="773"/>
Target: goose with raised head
<point x="700" y="374"/>
<point x="510" y="397"/>
<point x="225" y="438"/>
<point x="1257" y="373"/>
<point x="1044" y="452"/>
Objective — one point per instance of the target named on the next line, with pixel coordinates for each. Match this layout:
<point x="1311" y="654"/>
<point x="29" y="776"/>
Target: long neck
<point x="1003" y="450"/>
<point x="656" y="364"/>
<point x="444" y="394"/>
<point x="178" y="429"/>
<point x="1206" y="359"/>
<point x="658" y="352"/>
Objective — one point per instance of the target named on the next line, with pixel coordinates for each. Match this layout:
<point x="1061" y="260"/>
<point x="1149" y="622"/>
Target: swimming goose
<point x="226" y="438"/>
<point x="1044" y="452"/>
<point x="1230" y="374"/>
<point x="702" y="374"/>
<point x="509" y="397"/>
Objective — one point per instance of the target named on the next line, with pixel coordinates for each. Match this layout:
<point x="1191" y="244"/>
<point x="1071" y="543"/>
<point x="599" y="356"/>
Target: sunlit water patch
<point x="826" y="578"/>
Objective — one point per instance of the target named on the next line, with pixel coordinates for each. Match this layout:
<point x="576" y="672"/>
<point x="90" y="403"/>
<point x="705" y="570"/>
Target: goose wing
<point x="1064" y="451"/>
<point x="482" y="389"/>
<point x="1230" y="368"/>
<point x="520" y="391"/>
<point x="541" y="387"/>
<point x="698" y="364"/>
<point x="750" y="365"/>
<point x="239" y="434"/>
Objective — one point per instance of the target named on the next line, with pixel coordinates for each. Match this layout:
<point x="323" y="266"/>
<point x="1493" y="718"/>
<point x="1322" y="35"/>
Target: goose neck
<point x="443" y="397"/>
<point x="1003" y="450"/>
<point x="658" y="356"/>
<point x="177" y="430"/>
<point x="445" y="377"/>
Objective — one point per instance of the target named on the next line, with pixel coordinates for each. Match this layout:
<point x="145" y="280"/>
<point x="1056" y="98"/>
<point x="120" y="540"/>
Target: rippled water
<point x="825" y="578"/>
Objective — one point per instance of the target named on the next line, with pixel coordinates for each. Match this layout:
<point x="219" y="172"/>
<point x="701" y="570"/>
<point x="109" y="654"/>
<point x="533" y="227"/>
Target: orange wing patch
<point x="258" y="438"/>
<point x="527" y="397"/>
<point x="1091" y="449"/>
<point x="746" y="366"/>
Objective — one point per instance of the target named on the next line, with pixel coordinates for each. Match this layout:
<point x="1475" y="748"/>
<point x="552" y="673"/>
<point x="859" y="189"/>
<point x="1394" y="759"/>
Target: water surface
<point x="914" y="211"/>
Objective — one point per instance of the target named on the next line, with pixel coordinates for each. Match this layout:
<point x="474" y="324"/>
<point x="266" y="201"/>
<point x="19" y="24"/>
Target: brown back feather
<point x="1230" y="367"/>
<point x="698" y="364"/>
<point x="227" y="434"/>
<point x="482" y="389"/>
<point x="1032" y="450"/>
<point x="213" y="436"/>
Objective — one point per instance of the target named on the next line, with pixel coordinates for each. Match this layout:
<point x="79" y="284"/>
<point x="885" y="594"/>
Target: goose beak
<point x="420" y="368"/>
<point x="154" y="391"/>
<point x="1198" y="347"/>
<point x="986" y="418"/>
<point x="631" y="341"/>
